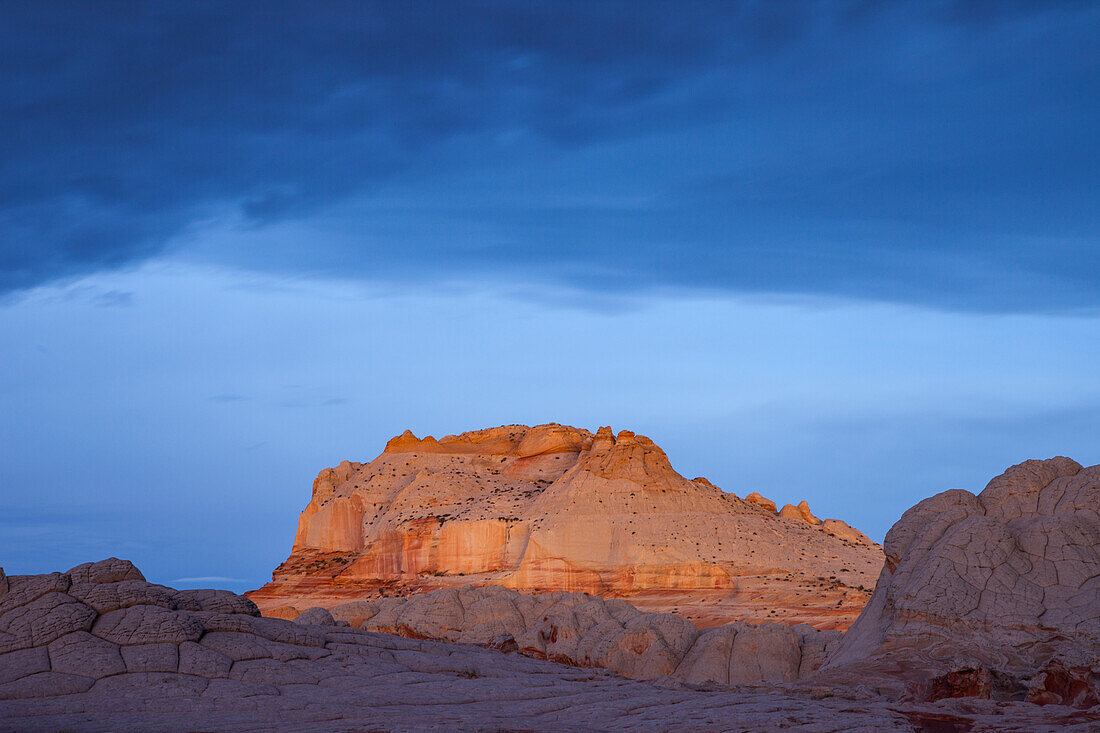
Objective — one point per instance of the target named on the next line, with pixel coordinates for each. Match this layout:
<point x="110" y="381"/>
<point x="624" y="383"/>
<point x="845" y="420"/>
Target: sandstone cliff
<point x="557" y="508"/>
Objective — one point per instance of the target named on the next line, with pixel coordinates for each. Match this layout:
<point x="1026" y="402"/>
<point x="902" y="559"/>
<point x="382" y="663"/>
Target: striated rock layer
<point x="980" y="592"/>
<point x="557" y="508"/>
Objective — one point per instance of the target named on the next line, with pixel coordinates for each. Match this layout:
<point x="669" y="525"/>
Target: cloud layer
<point x="184" y="431"/>
<point x="930" y="152"/>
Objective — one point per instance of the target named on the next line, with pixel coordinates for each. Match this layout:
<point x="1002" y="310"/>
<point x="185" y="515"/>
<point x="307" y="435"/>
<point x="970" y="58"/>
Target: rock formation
<point x="979" y="593"/>
<point x="557" y="508"/>
<point x="589" y="631"/>
<point x="100" y="649"/>
<point x="986" y="617"/>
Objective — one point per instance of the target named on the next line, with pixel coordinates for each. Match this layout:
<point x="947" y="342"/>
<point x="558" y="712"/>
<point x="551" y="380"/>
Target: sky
<point x="847" y="252"/>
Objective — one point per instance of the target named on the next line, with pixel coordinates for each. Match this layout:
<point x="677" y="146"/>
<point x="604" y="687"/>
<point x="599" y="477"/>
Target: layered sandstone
<point x="981" y="592"/>
<point x="557" y="508"/>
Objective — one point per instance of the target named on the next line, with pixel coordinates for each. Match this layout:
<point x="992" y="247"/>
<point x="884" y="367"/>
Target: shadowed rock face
<point x="557" y="508"/>
<point x="103" y="620"/>
<point x="1007" y="581"/>
<point x="589" y="631"/>
<point x="100" y="649"/>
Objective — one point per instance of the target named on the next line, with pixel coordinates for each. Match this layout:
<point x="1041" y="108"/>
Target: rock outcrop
<point x="589" y="631"/>
<point x="755" y="498"/>
<point x="100" y="649"/>
<point x="557" y="508"/>
<point x="800" y="513"/>
<point x="1000" y="586"/>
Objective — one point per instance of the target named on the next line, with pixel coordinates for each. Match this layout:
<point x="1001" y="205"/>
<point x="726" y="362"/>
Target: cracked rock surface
<point x="1008" y="580"/>
<point x="154" y="658"/>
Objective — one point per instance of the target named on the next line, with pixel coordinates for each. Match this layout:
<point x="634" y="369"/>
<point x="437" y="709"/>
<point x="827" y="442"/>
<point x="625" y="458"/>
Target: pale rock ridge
<point x="590" y="631"/>
<point x="553" y="507"/>
<point x="1008" y="581"/>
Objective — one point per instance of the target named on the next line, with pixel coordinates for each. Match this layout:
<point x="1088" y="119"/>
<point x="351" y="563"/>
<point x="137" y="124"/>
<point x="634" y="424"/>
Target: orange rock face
<point x="558" y="508"/>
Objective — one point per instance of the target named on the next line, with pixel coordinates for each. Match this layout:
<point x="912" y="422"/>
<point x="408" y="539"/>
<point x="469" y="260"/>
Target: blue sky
<point x="845" y="252"/>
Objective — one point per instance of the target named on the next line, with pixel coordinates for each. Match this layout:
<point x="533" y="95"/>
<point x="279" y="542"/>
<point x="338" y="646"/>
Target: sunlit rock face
<point x="559" y="508"/>
<point x="1003" y="583"/>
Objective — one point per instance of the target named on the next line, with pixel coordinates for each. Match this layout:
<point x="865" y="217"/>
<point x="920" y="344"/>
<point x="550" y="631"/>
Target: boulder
<point x="285" y="611"/>
<point x="800" y="513"/>
<point x="995" y="584"/>
<point x="316" y="616"/>
<point x="354" y="613"/>
<point x="756" y="498"/>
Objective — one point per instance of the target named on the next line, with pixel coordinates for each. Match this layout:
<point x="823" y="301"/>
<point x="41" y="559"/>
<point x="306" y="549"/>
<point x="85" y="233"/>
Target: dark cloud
<point x="228" y="398"/>
<point x="935" y="152"/>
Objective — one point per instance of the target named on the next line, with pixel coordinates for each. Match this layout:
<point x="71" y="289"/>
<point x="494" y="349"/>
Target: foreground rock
<point x="994" y="595"/>
<point x="589" y="631"/>
<point x="557" y="508"/>
<point x="99" y="649"/>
